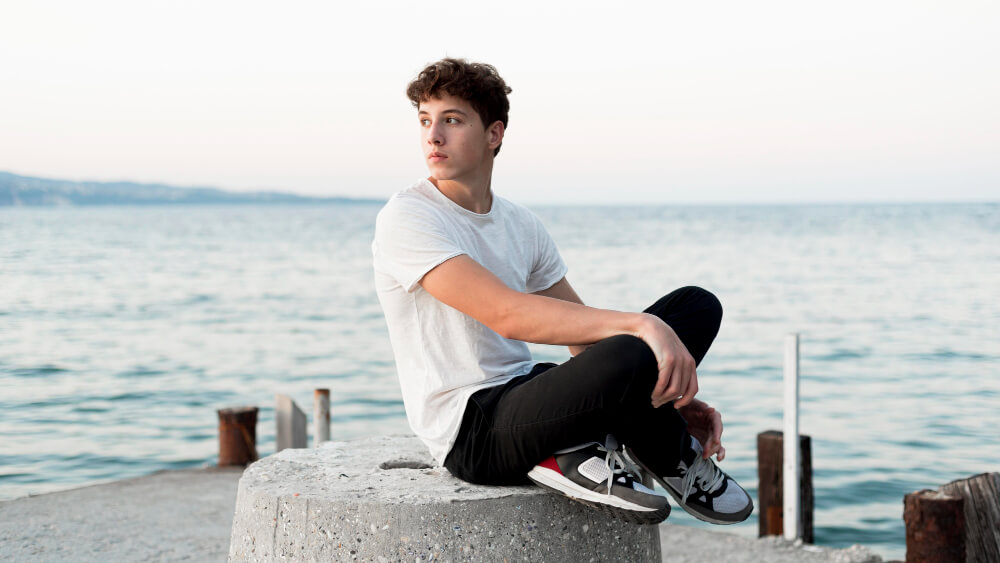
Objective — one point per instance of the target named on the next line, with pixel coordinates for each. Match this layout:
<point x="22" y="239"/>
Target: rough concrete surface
<point x="187" y="516"/>
<point x="382" y="499"/>
<point x="683" y="544"/>
<point x="167" y="516"/>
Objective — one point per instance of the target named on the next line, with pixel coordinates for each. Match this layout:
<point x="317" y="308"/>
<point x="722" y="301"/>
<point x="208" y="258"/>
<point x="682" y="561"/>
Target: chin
<point x="439" y="174"/>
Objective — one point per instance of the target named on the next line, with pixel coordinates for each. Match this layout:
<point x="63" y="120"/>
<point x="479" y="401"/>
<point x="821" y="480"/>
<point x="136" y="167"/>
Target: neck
<point x="477" y="197"/>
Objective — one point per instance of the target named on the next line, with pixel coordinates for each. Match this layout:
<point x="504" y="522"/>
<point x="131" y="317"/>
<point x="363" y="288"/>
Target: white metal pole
<point x="791" y="465"/>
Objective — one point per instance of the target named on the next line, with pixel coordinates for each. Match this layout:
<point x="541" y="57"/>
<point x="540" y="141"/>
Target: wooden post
<point x="935" y="527"/>
<point x="237" y="436"/>
<point x="321" y="416"/>
<point x="981" y="494"/>
<point x="770" y="489"/>
<point x="291" y="422"/>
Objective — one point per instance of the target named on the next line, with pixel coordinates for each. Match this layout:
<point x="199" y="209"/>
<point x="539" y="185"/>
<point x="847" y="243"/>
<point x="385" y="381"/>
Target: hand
<point x="705" y="424"/>
<point x="677" y="379"/>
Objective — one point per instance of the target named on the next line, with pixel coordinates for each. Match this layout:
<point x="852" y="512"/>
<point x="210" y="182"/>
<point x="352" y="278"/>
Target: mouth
<point x="436" y="157"/>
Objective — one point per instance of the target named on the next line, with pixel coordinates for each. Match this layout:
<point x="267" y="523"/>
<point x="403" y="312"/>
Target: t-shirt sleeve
<point x="410" y="240"/>
<point x="548" y="267"/>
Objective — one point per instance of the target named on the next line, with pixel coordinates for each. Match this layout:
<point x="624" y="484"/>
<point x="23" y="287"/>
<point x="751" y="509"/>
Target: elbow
<point x="502" y="327"/>
<point x="503" y="321"/>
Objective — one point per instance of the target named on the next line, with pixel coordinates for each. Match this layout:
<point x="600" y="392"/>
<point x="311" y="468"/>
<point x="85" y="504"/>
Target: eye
<point x="452" y="120"/>
<point x="425" y="122"/>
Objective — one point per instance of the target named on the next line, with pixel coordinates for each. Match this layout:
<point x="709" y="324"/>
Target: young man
<point x="465" y="278"/>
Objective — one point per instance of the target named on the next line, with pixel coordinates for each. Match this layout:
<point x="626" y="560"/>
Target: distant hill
<point x="28" y="191"/>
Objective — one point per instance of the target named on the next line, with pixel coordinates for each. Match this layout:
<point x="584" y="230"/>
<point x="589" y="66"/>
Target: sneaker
<point x="702" y="489"/>
<point x="600" y="477"/>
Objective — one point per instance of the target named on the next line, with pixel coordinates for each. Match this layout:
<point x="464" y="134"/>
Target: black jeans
<point x="510" y="428"/>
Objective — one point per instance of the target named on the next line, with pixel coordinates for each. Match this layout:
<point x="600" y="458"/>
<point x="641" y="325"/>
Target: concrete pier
<point x="382" y="499"/>
<point x="183" y="515"/>
<point x="187" y="515"/>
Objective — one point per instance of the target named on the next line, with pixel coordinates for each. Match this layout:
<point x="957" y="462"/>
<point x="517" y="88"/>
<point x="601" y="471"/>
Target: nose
<point x="434" y="135"/>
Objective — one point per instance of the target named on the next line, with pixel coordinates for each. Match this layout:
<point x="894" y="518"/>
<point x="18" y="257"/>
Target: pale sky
<point x="687" y="102"/>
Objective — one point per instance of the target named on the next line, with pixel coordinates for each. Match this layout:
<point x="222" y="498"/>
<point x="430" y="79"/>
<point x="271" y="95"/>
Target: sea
<point x="124" y="328"/>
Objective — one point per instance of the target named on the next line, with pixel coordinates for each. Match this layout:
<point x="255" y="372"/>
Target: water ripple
<point x="40" y="371"/>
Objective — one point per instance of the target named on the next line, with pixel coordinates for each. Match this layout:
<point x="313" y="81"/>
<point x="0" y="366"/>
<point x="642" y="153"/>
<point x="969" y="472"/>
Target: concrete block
<point x="383" y="499"/>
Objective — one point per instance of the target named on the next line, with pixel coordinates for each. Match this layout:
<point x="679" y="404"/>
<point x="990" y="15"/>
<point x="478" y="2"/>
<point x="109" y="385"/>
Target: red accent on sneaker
<point x="550" y="463"/>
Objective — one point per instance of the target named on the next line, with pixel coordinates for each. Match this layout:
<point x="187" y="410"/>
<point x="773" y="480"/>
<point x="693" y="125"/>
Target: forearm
<point x="564" y="291"/>
<point x="553" y="316"/>
<point x="536" y="318"/>
<point x="546" y="320"/>
<point x="466" y="286"/>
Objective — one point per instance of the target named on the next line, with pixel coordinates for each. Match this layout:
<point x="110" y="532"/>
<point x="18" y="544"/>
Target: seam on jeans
<point x="631" y="382"/>
<point x="482" y="415"/>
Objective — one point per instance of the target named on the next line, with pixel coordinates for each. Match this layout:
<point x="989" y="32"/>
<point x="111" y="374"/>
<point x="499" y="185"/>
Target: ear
<point x="494" y="134"/>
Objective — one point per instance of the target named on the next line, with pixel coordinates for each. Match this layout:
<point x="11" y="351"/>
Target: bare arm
<point x="563" y="290"/>
<point x="465" y="285"/>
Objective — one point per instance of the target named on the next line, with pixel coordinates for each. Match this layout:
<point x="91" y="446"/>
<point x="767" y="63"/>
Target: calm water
<point x="123" y="329"/>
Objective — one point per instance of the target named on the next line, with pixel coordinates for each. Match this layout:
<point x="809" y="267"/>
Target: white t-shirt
<point x="443" y="356"/>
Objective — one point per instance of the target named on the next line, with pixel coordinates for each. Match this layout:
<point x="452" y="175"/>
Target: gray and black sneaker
<point x="600" y="477"/>
<point x="702" y="489"/>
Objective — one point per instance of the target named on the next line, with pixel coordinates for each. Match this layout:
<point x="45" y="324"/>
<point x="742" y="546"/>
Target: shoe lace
<point x="704" y="471"/>
<point x="618" y="464"/>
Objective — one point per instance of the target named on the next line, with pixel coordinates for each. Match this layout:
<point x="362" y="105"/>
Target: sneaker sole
<point x="620" y="508"/>
<point x="734" y="518"/>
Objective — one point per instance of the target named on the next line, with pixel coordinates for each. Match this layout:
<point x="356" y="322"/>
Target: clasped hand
<point x="677" y="381"/>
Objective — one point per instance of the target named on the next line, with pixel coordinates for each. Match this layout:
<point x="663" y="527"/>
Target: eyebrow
<point x="449" y="110"/>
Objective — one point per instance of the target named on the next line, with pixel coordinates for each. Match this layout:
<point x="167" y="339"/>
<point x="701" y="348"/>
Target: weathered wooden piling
<point x="290" y="422"/>
<point x="935" y="527"/>
<point x="770" y="491"/>
<point x="237" y="436"/>
<point x="981" y="494"/>
<point x="321" y="416"/>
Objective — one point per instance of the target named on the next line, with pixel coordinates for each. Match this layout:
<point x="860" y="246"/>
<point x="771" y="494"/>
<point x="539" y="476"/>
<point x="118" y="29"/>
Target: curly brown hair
<point x="477" y="83"/>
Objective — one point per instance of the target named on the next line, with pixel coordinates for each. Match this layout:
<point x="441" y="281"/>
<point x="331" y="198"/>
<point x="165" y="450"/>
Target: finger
<point x="717" y="427"/>
<point x="662" y="379"/>
<point x="710" y="450"/>
<point x="690" y="386"/>
<point x="677" y="386"/>
<point x="717" y="433"/>
<point x="674" y="387"/>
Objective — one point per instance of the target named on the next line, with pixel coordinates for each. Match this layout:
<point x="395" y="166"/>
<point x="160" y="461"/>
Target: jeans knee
<point x="634" y="368"/>
<point x="632" y="352"/>
<point x="708" y="301"/>
<point x="701" y="300"/>
<point x="686" y="300"/>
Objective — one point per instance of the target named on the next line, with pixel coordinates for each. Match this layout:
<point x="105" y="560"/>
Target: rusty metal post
<point x="237" y="436"/>
<point x="935" y="527"/>
<point x="770" y="489"/>
<point x="321" y="416"/>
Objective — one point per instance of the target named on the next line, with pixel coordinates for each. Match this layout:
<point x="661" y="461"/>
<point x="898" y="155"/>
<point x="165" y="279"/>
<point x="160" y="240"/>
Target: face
<point x="456" y="146"/>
